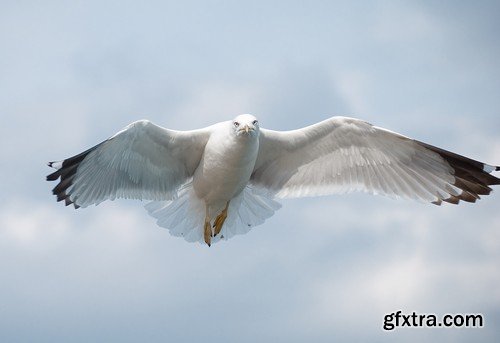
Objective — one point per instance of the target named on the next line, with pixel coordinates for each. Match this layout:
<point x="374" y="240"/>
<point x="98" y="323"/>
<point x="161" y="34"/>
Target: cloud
<point x="320" y="268"/>
<point x="31" y="227"/>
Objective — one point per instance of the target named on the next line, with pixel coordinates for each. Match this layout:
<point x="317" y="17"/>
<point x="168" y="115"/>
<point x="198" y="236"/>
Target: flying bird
<point x="213" y="183"/>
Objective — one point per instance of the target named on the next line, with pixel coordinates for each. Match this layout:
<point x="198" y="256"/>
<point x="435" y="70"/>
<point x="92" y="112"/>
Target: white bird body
<point x="225" y="168"/>
<point x="226" y="165"/>
<point x="220" y="181"/>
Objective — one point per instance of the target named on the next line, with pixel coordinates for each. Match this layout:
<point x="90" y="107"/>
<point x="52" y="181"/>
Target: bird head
<point x="246" y="124"/>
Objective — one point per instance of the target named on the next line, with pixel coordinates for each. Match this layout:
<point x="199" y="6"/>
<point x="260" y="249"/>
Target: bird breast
<point x="225" y="167"/>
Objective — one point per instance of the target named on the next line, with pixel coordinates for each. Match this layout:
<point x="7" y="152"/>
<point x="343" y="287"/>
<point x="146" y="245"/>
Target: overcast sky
<point x="72" y="73"/>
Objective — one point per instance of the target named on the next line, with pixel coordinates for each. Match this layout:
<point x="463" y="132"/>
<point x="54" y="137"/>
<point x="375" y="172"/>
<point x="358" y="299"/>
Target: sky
<point x="321" y="269"/>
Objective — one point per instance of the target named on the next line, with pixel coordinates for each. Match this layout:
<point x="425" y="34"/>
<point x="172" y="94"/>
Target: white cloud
<point x="213" y="102"/>
<point x="354" y="86"/>
<point x="323" y="268"/>
<point x="401" y="24"/>
<point x="32" y="226"/>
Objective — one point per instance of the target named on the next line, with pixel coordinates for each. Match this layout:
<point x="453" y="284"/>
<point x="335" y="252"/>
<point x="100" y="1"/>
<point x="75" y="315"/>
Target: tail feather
<point x="184" y="216"/>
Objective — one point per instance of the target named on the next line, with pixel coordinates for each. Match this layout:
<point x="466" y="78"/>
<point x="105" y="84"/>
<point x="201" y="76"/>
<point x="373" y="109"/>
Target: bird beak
<point x="246" y="129"/>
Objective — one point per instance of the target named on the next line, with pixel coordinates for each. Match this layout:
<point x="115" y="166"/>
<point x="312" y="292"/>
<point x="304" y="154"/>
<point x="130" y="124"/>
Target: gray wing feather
<point x="142" y="161"/>
<point x="342" y="155"/>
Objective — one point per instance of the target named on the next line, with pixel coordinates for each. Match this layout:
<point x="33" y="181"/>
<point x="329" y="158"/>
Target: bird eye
<point x="236" y="124"/>
<point x="255" y="122"/>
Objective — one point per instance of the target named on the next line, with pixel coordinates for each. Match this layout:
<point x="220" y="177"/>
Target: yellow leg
<point x="207" y="230"/>
<point x="219" y="221"/>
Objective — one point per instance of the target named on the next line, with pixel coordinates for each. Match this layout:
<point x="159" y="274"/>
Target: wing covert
<point x="142" y="161"/>
<point x="343" y="154"/>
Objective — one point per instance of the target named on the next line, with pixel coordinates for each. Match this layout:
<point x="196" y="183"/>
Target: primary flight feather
<point x="220" y="181"/>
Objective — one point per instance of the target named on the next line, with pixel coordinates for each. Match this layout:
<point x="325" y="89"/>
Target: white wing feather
<point x="342" y="154"/>
<point x="142" y="161"/>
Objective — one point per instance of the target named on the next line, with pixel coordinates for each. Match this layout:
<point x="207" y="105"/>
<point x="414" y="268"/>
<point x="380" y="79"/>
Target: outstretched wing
<point x="343" y="154"/>
<point x="142" y="161"/>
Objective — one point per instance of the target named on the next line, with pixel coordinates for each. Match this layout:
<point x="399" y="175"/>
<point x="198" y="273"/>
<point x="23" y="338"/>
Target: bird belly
<point x="224" y="171"/>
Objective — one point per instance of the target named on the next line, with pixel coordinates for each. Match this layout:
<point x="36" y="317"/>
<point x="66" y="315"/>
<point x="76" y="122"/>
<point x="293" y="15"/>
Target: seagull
<point x="220" y="181"/>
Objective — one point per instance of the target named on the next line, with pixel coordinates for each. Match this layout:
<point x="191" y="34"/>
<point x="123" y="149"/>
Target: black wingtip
<point x="54" y="176"/>
<point x="471" y="176"/>
<point x="66" y="170"/>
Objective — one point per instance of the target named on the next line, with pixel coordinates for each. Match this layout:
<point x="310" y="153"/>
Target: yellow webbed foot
<point x="207" y="233"/>
<point x="219" y="221"/>
<point x="207" y="229"/>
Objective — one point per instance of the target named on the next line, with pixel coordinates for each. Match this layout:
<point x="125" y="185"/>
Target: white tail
<point x="184" y="216"/>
